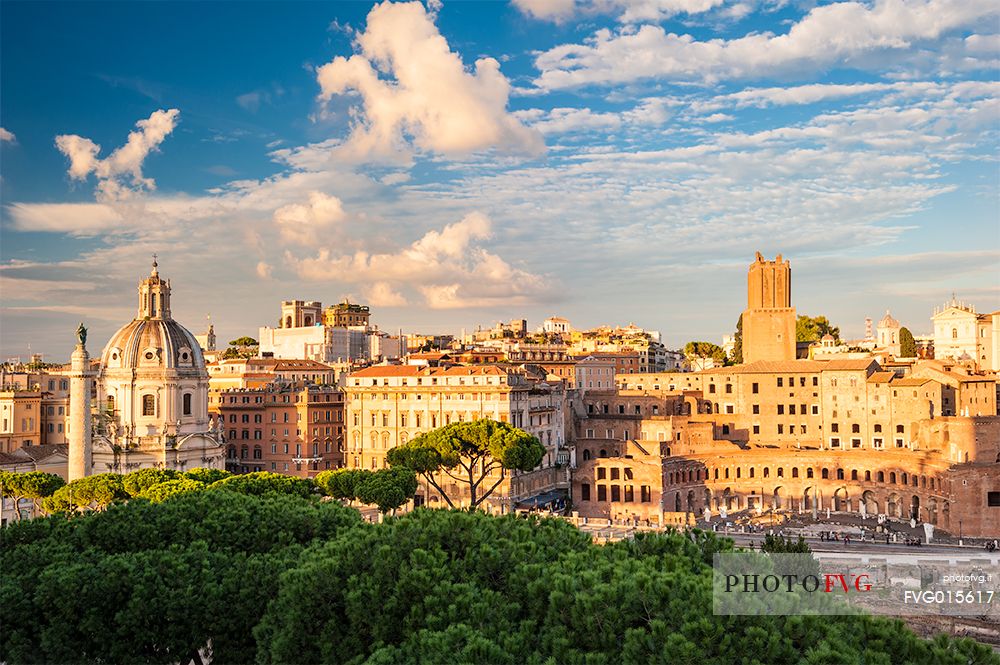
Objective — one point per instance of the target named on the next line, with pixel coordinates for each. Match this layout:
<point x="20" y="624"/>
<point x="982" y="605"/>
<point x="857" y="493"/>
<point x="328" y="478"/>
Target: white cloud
<point x="306" y="224"/>
<point x="547" y="10"/>
<point x="119" y="175"/>
<point x="381" y="294"/>
<point x="78" y="219"/>
<point x="431" y="101"/>
<point x="7" y="136"/>
<point x="264" y="270"/>
<point x="839" y="33"/>
<point x="626" y="11"/>
<point x="563" y="120"/>
<point x="448" y="266"/>
<point x="717" y="117"/>
<point x="250" y="101"/>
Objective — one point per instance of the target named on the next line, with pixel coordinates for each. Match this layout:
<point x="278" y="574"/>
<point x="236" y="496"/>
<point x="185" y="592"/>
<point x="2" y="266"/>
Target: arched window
<point x="825" y="474"/>
<point x="110" y="403"/>
<point x="767" y="472"/>
<point x="257" y="452"/>
<point x="586" y="455"/>
<point x="854" y="474"/>
<point x="809" y="473"/>
<point x="752" y="471"/>
<point x="795" y="472"/>
<point x="604" y="453"/>
<point x="954" y="333"/>
<point x="187" y="404"/>
<point x="149" y="405"/>
<point x="880" y="476"/>
<point x="288" y="322"/>
<point x="840" y="474"/>
<point x="892" y="477"/>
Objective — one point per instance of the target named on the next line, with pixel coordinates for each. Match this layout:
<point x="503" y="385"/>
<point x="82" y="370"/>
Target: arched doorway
<point x="932" y="511"/>
<point x="871" y="505"/>
<point x="841" y="501"/>
<point x="915" y="508"/>
<point x="708" y="498"/>
<point x="727" y="498"/>
<point x="677" y="502"/>
<point x="807" y="499"/>
<point x="946" y="514"/>
<point x="893" y="507"/>
<point x="690" y="501"/>
<point x="776" y="499"/>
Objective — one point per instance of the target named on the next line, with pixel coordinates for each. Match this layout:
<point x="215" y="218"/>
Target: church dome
<point x="888" y="322"/>
<point x="153" y="343"/>
<point x="153" y="340"/>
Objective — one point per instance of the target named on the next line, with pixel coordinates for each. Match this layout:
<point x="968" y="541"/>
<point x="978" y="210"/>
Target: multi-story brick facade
<point x="795" y="435"/>
<point x="390" y="405"/>
<point x="297" y="431"/>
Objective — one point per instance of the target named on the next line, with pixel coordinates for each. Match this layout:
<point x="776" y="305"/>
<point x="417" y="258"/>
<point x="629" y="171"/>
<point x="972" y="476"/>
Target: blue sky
<point x="459" y="163"/>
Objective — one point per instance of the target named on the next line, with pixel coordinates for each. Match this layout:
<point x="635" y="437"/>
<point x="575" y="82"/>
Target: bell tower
<point x="154" y="296"/>
<point x="769" y="320"/>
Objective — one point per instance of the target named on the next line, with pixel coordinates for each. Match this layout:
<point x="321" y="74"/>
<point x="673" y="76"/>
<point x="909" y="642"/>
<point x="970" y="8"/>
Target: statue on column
<point x="81" y="333"/>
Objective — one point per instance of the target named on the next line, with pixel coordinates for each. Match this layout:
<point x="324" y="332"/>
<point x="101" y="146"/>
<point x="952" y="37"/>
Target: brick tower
<point x="769" y="320"/>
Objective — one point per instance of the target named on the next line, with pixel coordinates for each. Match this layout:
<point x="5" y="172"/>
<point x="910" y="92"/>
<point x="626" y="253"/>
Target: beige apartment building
<point x="390" y="405"/>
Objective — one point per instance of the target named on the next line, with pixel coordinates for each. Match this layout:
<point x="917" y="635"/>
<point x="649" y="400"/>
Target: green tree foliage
<point x="386" y="488"/>
<point x="469" y="453"/>
<point x="89" y="493"/>
<point x="153" y="583"/>
<point x="171" y="488"/>
<point x="241" y="347"/>
<point x="265" y="482"/>
<point x="341" y="483"/>
<point x="813" y="328"/>
<point x="279" y="579"/>
<point x="32" y="485"/>
<point x="694" y="350"/>
<point x="907" y="345"/>
<point x="781" y="545"/>
<point x="207" y="476"/>
<point x="135" y="483"/>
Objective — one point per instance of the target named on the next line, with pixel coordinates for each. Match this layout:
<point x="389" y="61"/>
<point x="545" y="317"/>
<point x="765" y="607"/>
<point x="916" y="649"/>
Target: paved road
<point x="744" y="539"/>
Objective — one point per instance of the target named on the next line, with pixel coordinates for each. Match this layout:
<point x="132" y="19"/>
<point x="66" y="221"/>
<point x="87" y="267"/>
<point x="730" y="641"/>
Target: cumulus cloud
<point x="7" y="136"/>
<point x="119" y="175"/>
<point x="78" y="219"/>
<point x="627" y="11"/>
<point x="305" y="224"/>
<point x="838" y="33"/>
<point x="547" y="10"/>
<point x="414" y="90"/>
<point x="381" y="294"/>
<point x="449" y="267"/>
<point x="264" y="270"/>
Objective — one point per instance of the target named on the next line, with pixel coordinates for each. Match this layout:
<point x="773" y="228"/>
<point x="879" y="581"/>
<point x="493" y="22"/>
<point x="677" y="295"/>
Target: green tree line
<point x="280" y="578"/>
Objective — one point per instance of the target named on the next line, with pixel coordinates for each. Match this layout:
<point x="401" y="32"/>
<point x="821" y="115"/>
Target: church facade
<point x="152" y="393"/>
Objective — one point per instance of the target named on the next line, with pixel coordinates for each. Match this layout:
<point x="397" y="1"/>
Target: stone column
<point x="80" y="436"/>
